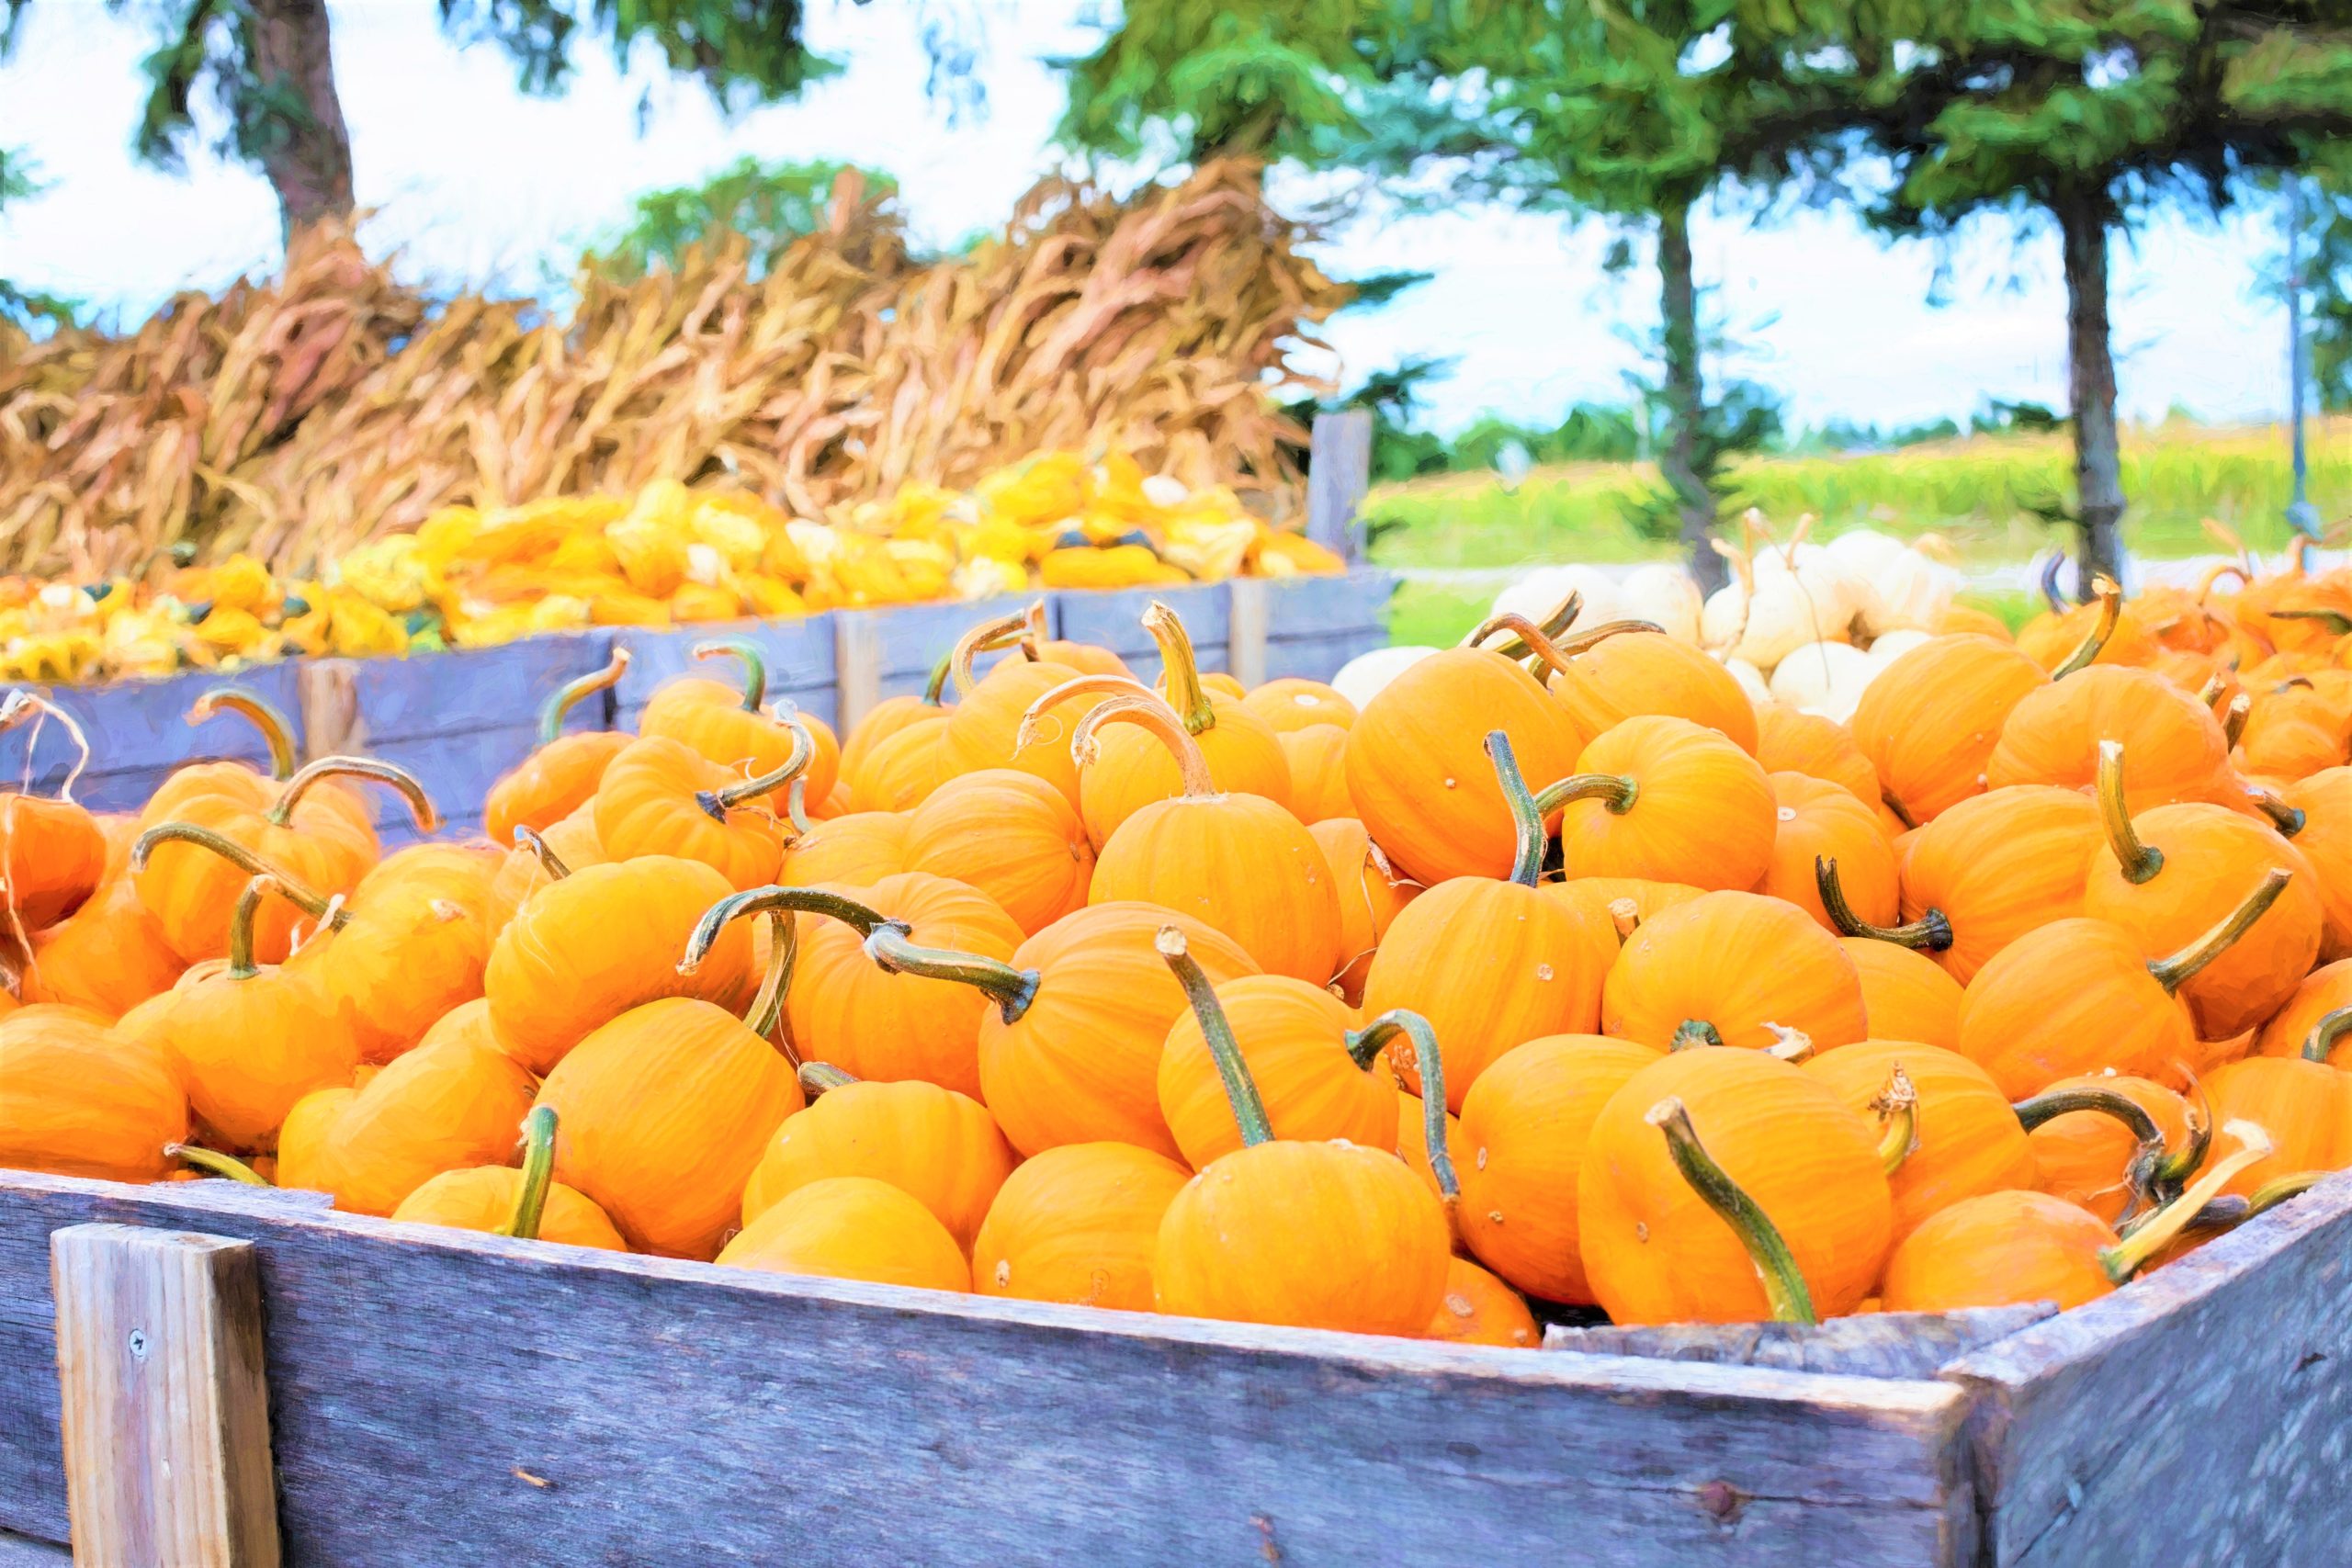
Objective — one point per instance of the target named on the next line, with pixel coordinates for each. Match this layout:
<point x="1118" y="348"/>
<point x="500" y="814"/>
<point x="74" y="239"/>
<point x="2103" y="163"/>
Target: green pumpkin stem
<point x="277" y="730"/>
<point x="1931" y="933"/>
<point x="214" y="1163"/>
<point x="1784" y="1284"/>
<point x="2176" y="971"/>
<point x="888" y="945"/>
<point x="2110" y="614"/>
<point x="1526" y="816"/>
<point x="2150" y="1175"/>
<point x="1240" y="1089"/>
<point x="2233" y="719"/>
<point x="1532" y="641"/>
<point x="755" y="666"/>
<point x="1898" y="1110"/>
<point x="2289" y="819"/>
<point x="817" y="1077"/>
<point x="1179" y="669"/>
<point x="550" y="861"/>
<point x="1614" y="791"/>
<point x="571" y="693"/>
<point x="1145" y="710"/>
<point x="2320" y="1044"/>
<point x="2337" y="623"/>
<point x="241" y="926"/>
<point x="402" y="781"/>
<point x="1005" y="631"/>
<point x="719" y="802"/>
<point x="1367" y="1042"/>
<point x="1694" y="1032"/>
<point x="2158" y="1231"/>
<point x="310" y="902"/>
<point x="538" y="1174"/>
<point x="2277" y="1189"/>
<point x="934" y="691"/>
<point x="1562" y="616"/>
<point x="764" y="1016"/>
<point x="1593" y="637"/>
<point x="2140" y="861"/>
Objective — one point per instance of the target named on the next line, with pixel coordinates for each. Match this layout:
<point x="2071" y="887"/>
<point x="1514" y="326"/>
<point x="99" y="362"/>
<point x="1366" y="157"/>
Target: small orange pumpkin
<point x="1905" y="996"/>
<point x="413" y="943"/>
<point x="77" y="1099"/>
<point x="1733" y="969"/>
<point x="439" y="1108"/>
<point x="2324" y="992"/>
<point x="852" y="851"/>
<point x="853" y="1228"/>
<point x="731" y="728"/>
<point x="1078" y="1224"/>
<point x="2110" y="1142"/>
<point x="985" y="728"/>
<point x="2053" y="737"/>
<point x="1643" y="671"/>
<point x="1790" y="740"/>
<point x="1928" y="723"/>
<point x="2324" y="801"/>
<point x="1290" y="705"/>
<point x="660" y="797"/>
<point x="1009" y="834"/>
<point x="1819" y="821"/>
<point x="1661" y="799"/>
<point x="108" y="955"/>
<point x="1317" y="756"/>
<point x="1954" y="1136"/>
<point x="528" y="1204"/>
<point x="1371" y="896"/>
<point x="1990" y="870"/>
<point x="556" y="779"/>
<point x="1478" y="1309"/>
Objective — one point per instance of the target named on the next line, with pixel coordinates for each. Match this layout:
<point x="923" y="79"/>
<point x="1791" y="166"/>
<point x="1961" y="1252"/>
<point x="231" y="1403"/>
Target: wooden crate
<point x="1113" y="619"/>
<point x="799" y="655"/>
<point x="138" y="733"/>
<point x="441" y="1397"/>
<point x="891" y="653"/>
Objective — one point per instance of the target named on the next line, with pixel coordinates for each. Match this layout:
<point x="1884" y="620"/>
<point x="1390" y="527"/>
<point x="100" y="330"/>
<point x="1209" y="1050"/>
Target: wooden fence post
<point x="1339" y="471"/>
<point x="167" y="1412"/>
<point x="858" y="666"/>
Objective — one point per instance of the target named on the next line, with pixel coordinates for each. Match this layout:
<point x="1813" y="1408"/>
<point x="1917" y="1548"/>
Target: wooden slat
<point x="165" y="1412"/>
<point x="139" y="732"/>
<point x="1247" y="631"/>
<point x="2202" y="1415"/>
<point x="445" y="1397"/>
<point x="1882" y="1345"/>
<point x="23" y="1551"/>
<point x="1115" y="620"/>
<point x="1339" y="472"/>
<point x="896" y="648"/>
<point x="799" y="655"/>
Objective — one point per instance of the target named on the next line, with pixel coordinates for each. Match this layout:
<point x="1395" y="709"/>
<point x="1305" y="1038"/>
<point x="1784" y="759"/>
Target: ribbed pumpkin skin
<point x="1478" y="1309"/>
<point x="192" y="892"/>
<point x="1592" y="896"/>
<point x="1790" y="740"/>
<point x="1648" y="674"/>
<point x="78" y="1100"/>
<point x="846" y="1010"/>
<point x="109" y="956"/>
<point x="661" y="1117"/>
<point x="1370" y="897"/>
<point x="1704" y="813"/>
<point x="1968" y="1141"/>
<point x="52" y="858"/>
<point x="883" y="720"/>
<point x="2306" y="1106"/>
<point x="1290" y="705"/>
<point x="2213" y="858"/>
<point x="1739" y="961"/>
<point x="983" y="730"/>
<point x="940" y="1147"/>
<point x="1931" y="719"/>
<point x="439" y="1108"/>
<point x="853" y="1228"/>
<point x="1317" y="756"/>
<point x="1132" y="768"/>
<point x="1490" y="964"/>
<point x="1011" y="835"/>
<point x="854" y="850"/>
<point x="1308" y="1235"/>
<point x="1817" y="821"/>
<point x="1525" y="1127"/>
<point x="2321" y="992"/>
<point x="2325" y="800"/>
<point x="550" y="783"/>
<point x="2000" y="1249"/>
<point x="1082" y="1065"/>
<point x="1904" y="995"/>
<point x="2082" y="1156"/>
<point x="585" y="949"/>
<point x="416" y="944"/>
<point x="2076" y="998"/>
<point x="481" y="1198"/>
<point x="1653" y="1251"/>
<point x="1078" y="1224"/>
<point x="247" y="1050"/>
<point x="709" y="716"/>
<point x="2001" y="865"/>
<point x="646" y="804"/>
<point x="1239" y="864"/>
<point x="2176" y="748"/>
<point x="903" y="768"/>
<point x="1291" y="1036"/>
<point x="1418" y="770"/>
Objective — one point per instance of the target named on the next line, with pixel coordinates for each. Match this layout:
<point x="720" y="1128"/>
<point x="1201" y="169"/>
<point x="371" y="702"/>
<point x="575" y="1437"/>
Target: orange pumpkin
<point x="660" y="797"/>
<point x="1790" y="740"/>
<point x="2110" y="1142"/>
<point x="1819" y="822"/>
<point x="729" y="727"/>
<point x="890" y="718"/>
<point x="1905" y="996"/>
<point x="1526" y="1125"/>
<point x="528" y="1204"/>
<point x="78" y="1100"/>
<point x="1733" y="969"/>
<point x="2302" y="1105"/>
<point x="853" y="1228"/>
<point x="1956" y="1136"/>
<point x="197" y="778"/>
<point x="2177" y="747"/>
<point x="1928" y="723"/>
<point x="1992" y="869"/>
<point x="1370" y="895"/>
<point x="439" y="1108"/>
<point x="1643" y="671"/>
<point x="1082" y="656"/>
<point x="852" y="851"/>
<point x="2324" y="799"/>
<point x="108" y="955"/>
<point x="412" y="943"/>
<point x="1620" y="902"/>
<point x="1317" y="756"/>
<point x="1238" y="863"/>
<point x="556" y="779"/>
<point x="1661" y="799"/>
<point x="1478" y="1309"/>
<point x="903" y="768"/>
<point x="2107" y="630"/>
<point x="992" y="713"/>
<point x="1009" y="834"/>
<point x="1728" y="1187"/>
<point x="1078" y="1224"/>
<point x="2324" y="992"/>
<point x="1290" y="705"/>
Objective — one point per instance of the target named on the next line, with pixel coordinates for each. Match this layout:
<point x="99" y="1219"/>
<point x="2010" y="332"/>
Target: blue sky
<point x="475" y="184"/>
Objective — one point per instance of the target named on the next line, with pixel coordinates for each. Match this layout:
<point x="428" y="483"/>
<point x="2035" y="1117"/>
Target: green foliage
<point x="744" y="52"/>
<point x="771" y="205"/>
<point x="22" y="308"/>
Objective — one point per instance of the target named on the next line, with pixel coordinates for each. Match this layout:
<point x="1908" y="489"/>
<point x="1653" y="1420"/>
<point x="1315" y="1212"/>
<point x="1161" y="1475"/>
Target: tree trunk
<point x="2090" y="389"/>
<point x="303" y="144"/>
<point x="1685" y="398"/>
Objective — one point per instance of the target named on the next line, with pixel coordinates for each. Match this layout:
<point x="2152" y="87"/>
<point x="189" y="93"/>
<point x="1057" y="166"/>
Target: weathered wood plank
<point x="537" y="1403"/>
<point x="2202" y="1415"/>
<point x="137" y="732"/>
<point x="1339" y="472"/>
<point x="1883" y="1345"/>
<point x="799" y="655"/>
<point x="1311" y="608"/>
<point x="908" y="640"/>
<point x="165" y="1415"/>
<point x="1113" y="619"/>
<point x="23" y="1551"/>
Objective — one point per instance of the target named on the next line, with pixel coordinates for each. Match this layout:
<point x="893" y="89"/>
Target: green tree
<point x="2087" y="115"/>
<point x="770" y="204"/>
<point x="21" y="308"/>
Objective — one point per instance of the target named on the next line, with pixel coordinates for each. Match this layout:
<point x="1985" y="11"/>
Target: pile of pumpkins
<point x="1559" y="972"/>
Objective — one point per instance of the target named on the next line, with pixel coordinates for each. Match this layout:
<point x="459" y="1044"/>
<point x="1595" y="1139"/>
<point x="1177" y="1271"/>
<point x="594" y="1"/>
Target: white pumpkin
<point x="1824" y="678"/>
<point x="1887" y="649"/>
<point x="1663" y="595"/>
<point x="1535" y="594"/>
<point x="1362" y="678"/>
<point x="1787" y="610"/>
<point x="1866" y="551"/>
<point x="1913" y="594"/>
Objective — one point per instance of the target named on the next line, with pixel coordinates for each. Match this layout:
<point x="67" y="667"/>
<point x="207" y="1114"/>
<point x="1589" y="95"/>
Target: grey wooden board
<point x="440" y="1397"/>
<point x="1339" y="473"/>
<point x="1113" y="619"/>
<point x="799" y="654"/>
<point x="1883" y="1345"/>
<point x="2201" y="1416"/>
<point x="911" y="639"/>
<point x="1309" y="607"/>
<point x="139" y="732"/>
<point x="23" y="1551"/>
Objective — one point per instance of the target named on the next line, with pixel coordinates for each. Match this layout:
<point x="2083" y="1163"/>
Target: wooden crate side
<point x="1315" y="625"/>
<point x="538" y="1403"/>
<point x="891" y="652"/>
<point x="2202" y="1415"/>
<point x="799" y="655"/>
<point x="1112" y="618"/>
<point x="138" y="733"/>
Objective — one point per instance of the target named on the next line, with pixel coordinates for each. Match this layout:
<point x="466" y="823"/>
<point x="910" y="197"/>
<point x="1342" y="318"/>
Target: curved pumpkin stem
<point x="2176" y="971"/>
<point x="1163" y="722"/>
<point x="935" y="690"/>
<point x="2140" y="861"/>
<point x="277" y="730"/>
<point x="1898" y="1111"/>
<point x="1526" y="812"/>
<point x="1617" y="791"/>
<point x="550" y="861"/>
<point x="1240" y="1089"/>
<point x="293" y="891"/>
<point x="1593" y="637"/>
<point x="214" y="1163"/>
<point x="241" y="926"/>
<point x="571" y="693"/>
<point x="754" y="662"/>
<point x="2149" y="1175"/>
<point x="2048" y="580"/>
<point x="1011" y="989"/>
<point x="1563" y="614"/>
<point x="1784" y="1284"/>
<point x="1033" y="719"/>
<point x="2218" y="570"/>
<point x="2337" y="623"/>
<point x="986" y="638"/>
<point x="1931" y="933"/>
<point x="1033" y="632"/>
<point x="403" y="782"/>
<point x="818" y="1077"/>
<point x="2277" y="1190"/>
<point x="2233" y="719"/>
<point x="2110" y="614"/>
<point x="719" y="802"/>
<point x="1179" y="668"/>
<point x="2321" y="1043"/>
<point x="1694" y="1032"/>
<point x="1367" y="1042"/>
<point x="2130" y="1255"/>
<point x="2289" y="819"/>
<point x="1540" y="648"/>
<point x="20" y="704"/>
<point x="538" y="1174"/>
<point x="773" y="899"/>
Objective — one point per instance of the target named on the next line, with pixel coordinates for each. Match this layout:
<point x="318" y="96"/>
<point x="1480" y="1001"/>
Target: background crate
<point x="1307" y="626"/>
<point x="891" y="652"/>
<point x="138" y="733"/>
<point x="799" y="655"/>
<point x="1112" y="618"/>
